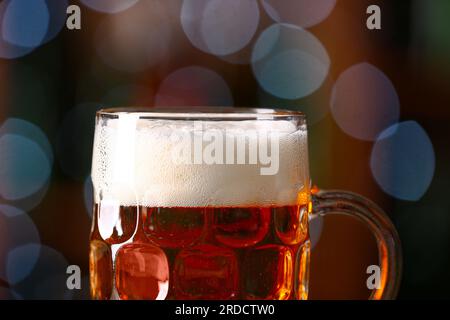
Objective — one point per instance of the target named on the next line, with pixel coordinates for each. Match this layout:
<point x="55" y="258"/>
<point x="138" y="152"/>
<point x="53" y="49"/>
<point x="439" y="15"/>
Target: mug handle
<point x="347" y="203"/>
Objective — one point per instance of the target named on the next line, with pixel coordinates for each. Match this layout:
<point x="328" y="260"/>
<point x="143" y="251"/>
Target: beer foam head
<point x="181" y="163"/>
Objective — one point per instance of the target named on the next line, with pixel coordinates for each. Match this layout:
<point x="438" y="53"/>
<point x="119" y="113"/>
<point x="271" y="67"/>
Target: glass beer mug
<point x="212" y="203"/>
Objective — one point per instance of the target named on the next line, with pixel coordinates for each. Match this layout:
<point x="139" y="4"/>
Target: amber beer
<point x="202" y="253"/>
<point x="168" y="229"/>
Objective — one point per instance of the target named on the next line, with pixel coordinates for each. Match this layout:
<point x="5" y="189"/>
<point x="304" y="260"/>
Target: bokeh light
<point x="17" y="229"/>
<point x="8" y="50"/>
<point x="21" y="261"/>
<point x="304" y="13"/>
<point x="403" y="161"/>
<point x="58" y="15"/>
<point x="194" y="86"/>
<point x="207" y="24"/>
<point x="75" y="140"/>
<point x="109" y="6"/>
<point x="18" y="41"/>
<point x="48" y="278"/>
<point x="289" y="62"/>
<point x="24" y="167"/>
<point x="135" y="39"/>
<point x="25" y="23"/>
<point x="364" y="102"/>
<point x="30" y="131"/>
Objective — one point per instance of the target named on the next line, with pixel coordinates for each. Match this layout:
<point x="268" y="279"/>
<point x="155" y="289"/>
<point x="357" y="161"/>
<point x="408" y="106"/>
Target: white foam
<point x="133" y="164"/>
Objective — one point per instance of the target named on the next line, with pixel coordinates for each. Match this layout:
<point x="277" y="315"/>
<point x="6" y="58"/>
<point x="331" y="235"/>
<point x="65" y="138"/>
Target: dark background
<point x="59" y="85"/>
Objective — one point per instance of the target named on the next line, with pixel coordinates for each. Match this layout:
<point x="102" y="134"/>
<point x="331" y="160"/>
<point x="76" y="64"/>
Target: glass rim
<point x="203" y="113"/>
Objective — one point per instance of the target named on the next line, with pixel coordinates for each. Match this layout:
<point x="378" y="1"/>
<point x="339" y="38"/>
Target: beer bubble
<point x="289" y="62"/>
<point x="109" y="6"/>
<point x="303" y="13"/>
<point x="194" y="86"/>
<point x="48" y="278"/>
<point x="403" y="161"/>
<point x="75" y="139"/>
<point x="24" y="167"/>
<point x="364" y="102"/>
<point x="220" y="27"/>
<point x="16" y="230"/>
<point x="136" y="39"/>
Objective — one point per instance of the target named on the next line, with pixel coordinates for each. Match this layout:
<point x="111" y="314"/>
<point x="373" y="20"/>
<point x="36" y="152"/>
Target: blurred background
<point x="378" y="104"/>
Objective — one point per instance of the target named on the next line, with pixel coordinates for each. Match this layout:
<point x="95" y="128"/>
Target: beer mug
<point x="213" y="203"/>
